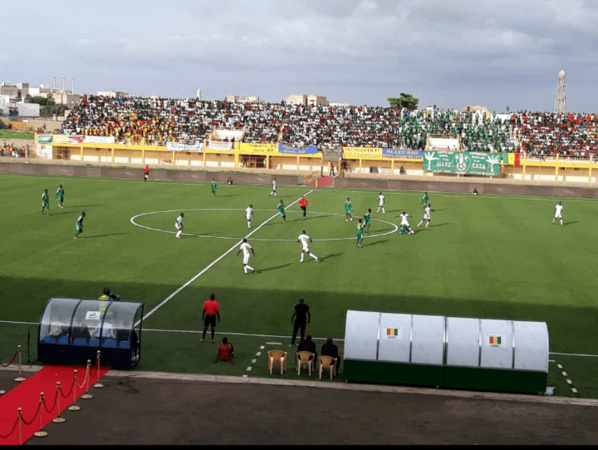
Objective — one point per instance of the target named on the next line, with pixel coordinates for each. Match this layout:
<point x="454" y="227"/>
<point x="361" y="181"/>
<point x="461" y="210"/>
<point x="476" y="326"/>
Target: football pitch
<point x="496" y="257"/>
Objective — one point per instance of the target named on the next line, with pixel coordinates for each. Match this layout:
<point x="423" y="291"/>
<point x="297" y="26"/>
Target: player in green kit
<point x="214" y="186"/>
<point x="281" y="210"/>
<point x="79" y="225"/>
<point x="348" y="209"/>
<point x="359" y="233"/>
<point x="366" y="219"/>
<point x="45" y="201"/>
<point x="425" y="200"/>
<point x="60" y="196"/>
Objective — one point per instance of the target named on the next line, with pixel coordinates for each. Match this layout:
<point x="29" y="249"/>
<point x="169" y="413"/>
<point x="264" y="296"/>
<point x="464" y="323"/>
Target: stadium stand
<point x="156" y="121"/>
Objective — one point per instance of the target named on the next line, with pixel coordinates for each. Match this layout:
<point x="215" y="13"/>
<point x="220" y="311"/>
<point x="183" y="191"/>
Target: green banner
<point x="44" y="138"/>
<point x="462" y="163"/>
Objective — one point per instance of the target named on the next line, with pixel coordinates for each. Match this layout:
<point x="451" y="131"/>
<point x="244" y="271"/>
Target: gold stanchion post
<point x="97" y="384"/>
<point x="20" y="420"/>
<point x="20" y="377"/>
<point x="58" y="418"/>
<point x="41" y="433"/>
<point x="87" y="395"/>
<point x="74" y="406"/>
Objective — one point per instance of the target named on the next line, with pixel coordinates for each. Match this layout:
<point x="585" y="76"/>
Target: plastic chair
<point x="277" y="356"/>
<point x="326" y="362"/>
<point x="110" y="343"/>
<point x="305" y="357"/>
<point x="80" y="341"/>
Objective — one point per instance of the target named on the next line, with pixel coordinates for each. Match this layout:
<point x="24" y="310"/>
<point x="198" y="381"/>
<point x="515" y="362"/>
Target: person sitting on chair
<point x="226" y="351"/>
<point x="307" y="345"/>
<point x="330" y="349"/>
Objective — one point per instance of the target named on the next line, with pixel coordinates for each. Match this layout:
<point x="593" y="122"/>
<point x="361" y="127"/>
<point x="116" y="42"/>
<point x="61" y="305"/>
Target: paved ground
<point x="158" y="408"/>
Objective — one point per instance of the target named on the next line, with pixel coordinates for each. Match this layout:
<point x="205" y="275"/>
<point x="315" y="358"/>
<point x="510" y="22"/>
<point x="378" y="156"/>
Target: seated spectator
<point x="330" y="349"/>
<point x="226" y="351"/>
<point x="230" y="180"/>
<point x="475" y="191"/>
<point x="308" y="345"/>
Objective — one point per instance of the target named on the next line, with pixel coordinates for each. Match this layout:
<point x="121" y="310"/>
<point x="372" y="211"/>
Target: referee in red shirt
<point x="303" y="205"/>
<point x="209" y="315"/>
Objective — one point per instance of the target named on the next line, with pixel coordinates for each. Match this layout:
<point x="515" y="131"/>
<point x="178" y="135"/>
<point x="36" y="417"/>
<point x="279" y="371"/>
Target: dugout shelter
<point x="71" y="331"/>
<point x="449" y="352"/>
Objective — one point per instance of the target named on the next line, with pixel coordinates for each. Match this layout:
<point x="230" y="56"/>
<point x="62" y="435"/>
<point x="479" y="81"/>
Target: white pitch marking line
<point x="569" y="381"/>
<point x="574" y="390"/>
<point x="394" y="227"/>
<point x="249" y="369"/>
<point x="244" y="375"/>
<point x="253" y="361"/>
<point x="261" y="347"/>
<point x="559" y="366"/>
<point x="564" y="374"/>
<point x="273" y="343"/>
<point x="258" y="353"/>
<point x="213" y="263"/>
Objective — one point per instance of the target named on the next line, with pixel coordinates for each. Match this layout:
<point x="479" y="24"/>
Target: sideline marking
<point x="394" y="227"/>
<point x="568" y="380"/>
<point x="213" y="263"/>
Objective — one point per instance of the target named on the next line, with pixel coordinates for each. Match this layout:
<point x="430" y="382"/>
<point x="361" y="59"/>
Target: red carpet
<point x="26" y="395"/>
<point x="322" y="182"/>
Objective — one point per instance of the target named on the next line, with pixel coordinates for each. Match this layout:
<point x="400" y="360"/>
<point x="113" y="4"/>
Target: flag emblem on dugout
<point x="392" y="332"/>
<point x="494" y="340"/>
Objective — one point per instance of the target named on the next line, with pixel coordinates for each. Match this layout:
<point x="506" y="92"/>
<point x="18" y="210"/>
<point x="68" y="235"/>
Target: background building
<point x="307" y="100"/>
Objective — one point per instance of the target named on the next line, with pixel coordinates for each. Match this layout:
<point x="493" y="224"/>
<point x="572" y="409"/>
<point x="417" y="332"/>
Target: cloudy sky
<point x="498" y="54"/>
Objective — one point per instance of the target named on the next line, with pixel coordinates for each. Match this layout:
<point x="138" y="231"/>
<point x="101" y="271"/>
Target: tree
<point x="42" y="101"/>
<point x="404" y="101"/>
<point x="51" y="109"/>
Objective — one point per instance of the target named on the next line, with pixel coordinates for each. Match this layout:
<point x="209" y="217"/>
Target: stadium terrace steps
<point x="322" y="182"/>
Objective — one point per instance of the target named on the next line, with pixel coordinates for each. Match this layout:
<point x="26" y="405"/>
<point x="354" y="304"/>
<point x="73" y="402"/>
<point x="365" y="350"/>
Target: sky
<point x="504" y="55"/>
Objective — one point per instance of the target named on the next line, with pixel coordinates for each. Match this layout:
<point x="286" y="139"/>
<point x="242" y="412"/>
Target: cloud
<point x="358" y="51"/>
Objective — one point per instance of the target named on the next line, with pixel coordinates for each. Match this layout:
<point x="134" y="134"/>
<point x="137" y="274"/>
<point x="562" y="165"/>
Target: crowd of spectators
<point x="572" y="135"/>
<point x="137" y="120"/>
<point x="13" y="151"/>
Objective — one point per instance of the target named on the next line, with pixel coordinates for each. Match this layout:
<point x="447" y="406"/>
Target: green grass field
<point x="10" y="134"/>
<point x="486" y="257"/>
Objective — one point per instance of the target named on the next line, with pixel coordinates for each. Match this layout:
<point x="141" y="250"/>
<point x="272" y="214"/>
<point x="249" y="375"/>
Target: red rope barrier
<point x="39" y="405"/>
<point x="49" y="410"/>
<point x="43" y="403"/>
<point x="12" y="429"/>
<point x="12" y="360"/>
<point x="70" y="389"/>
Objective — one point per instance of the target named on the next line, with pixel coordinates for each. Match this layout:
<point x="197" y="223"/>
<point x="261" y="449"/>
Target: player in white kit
<point x="305" y="240"/>
<point x="558" y="213"/>
<point x="247" y="250"/>
<point x="249" y="215"/>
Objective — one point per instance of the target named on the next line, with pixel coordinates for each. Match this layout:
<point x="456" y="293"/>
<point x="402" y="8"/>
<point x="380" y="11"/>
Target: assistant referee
<point x="210" y="313"/>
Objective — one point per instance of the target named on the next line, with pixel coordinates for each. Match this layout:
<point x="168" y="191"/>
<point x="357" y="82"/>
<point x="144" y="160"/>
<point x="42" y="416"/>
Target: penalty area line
<point x="213" y="263"/>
